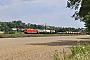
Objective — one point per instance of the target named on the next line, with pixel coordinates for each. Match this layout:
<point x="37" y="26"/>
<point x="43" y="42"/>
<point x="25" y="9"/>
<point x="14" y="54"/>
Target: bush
<point x="1" y="36"/>
<point x="11" y="32"/>
<point x="80" y="52"/>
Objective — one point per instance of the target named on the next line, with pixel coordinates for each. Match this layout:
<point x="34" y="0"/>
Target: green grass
<point x="80" y="52"/>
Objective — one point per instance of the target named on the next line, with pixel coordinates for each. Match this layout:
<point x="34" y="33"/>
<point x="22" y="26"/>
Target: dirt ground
<point x="37" y="48"/>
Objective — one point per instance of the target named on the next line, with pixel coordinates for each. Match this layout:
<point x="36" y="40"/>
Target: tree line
<point x="20" y="26"/>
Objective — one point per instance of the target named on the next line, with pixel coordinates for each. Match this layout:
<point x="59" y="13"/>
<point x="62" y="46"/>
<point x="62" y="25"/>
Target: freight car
<point x="71" y="33"/>
<point x="43" y="31"/>
<point x="52" y="31"/>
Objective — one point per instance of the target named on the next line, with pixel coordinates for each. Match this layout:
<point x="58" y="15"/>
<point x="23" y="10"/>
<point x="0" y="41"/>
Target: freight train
<point x="40" y="31"/>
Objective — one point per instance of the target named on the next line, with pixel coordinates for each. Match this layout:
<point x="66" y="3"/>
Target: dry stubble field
<point x="37" y="48"/>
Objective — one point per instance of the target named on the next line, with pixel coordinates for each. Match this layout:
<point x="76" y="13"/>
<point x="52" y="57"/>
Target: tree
<point x="82" y="12"/>
<point x="87" y="22"/>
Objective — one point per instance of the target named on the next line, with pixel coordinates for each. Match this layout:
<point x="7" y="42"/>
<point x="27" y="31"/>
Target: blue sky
<point x="52" y="12"/>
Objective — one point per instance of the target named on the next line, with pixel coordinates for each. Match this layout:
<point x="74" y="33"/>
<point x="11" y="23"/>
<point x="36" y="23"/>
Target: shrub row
<point x="32" y="35"/>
